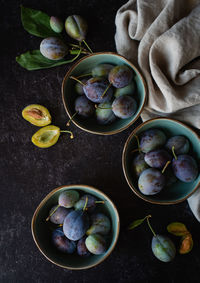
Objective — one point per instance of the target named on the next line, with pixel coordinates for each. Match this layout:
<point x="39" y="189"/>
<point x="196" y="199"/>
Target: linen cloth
<point x="162" y="38"/>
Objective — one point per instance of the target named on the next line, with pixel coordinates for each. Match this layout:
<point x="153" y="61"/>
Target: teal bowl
<point x="177" y="192"/>
<point x="84" y="66"/>
<point x="41" y="229"/>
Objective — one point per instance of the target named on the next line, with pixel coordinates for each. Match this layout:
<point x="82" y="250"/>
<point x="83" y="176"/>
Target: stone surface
<point x="28" y="173"/>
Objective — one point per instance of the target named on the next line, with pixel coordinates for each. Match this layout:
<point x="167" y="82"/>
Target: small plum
<point x="124" y="106"/>
<point x="81" y="248"/>
<point x="185" y="168"/>
<point x="120" y="76"/>
<point x="104" y="113"/>
<point x="139" y="164"/>
<point x="68" y="198"/>
<point x="102" y="70"/>
<point x="84" y="107"/>
<point x="180" y="143"/>
<point x="53" y="48"/>
<point x="59" y="215"/>
<point x="76" y="224"/>
<point x="152" y="139"/>
<point x="96" y="244"/>
<point x="157" y="158"/>
<point x="163" y="248"/>
<point x="95" y="88"/>
<point x="62" y="243"/>
<point x="76" y="27"/>
<point x="100" y="224"/>
<point x="151" y="181"/>
<point x="127" y="90"/>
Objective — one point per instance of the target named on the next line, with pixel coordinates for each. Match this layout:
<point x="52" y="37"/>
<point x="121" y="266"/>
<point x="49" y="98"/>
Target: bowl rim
<point x="99" y="132"/>
<point x="71" y="187"/>
<point x="124" y="167"/>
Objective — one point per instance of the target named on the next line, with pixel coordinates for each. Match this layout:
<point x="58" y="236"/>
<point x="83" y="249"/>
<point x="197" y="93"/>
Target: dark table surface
<point x="28" y="173"/>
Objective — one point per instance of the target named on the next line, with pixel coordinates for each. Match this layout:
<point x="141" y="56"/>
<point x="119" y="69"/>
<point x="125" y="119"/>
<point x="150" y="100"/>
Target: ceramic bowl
<point x="84" y="66"/>
<point x="177" y="192"/>
<point x="42" y="234"/>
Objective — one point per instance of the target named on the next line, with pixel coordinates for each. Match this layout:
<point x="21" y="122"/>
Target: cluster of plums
<point x="83" y="229"/>
<point x="155" y="153"/>
<point x="107" y="94"/>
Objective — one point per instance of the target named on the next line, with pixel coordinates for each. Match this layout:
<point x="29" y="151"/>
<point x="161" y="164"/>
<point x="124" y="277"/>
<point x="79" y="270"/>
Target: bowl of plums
<point x="161" y="161"/>
<point x="103" y="93"/>
<point x="76" y="226"/>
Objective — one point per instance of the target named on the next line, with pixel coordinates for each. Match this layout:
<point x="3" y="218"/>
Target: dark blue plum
<point x="94" y="90"/>
<point x="185" y="168"/>
<point x="82" y="249"/>
<point x="62" y="243"/>
<point x="120" y="76"/>
<point x="124" y="106"/>
<point x="59" y="215"/>
<point x="152" y="139"/>
<point x="180" y="143"/>
<point x="76" y="224"/>
<point x="84" y="107"/>
<point x="157" y="158"/>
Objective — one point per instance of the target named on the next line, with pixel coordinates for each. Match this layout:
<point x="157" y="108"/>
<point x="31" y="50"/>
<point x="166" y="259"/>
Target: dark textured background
<point x="28" y="173"/>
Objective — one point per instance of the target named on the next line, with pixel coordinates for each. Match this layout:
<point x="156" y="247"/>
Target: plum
<point x="120" y="76"/>
<point x="53" y="48"/>
<point x="180" y="143"/>
<point x="127" y="90"/>
<point x="68" y="198"/>
<point x="81" y="248"/>
<point x="96" y="244"/>
<point x="91" y="202"/>
<point x="59" y="215"/>
<point x="124" y="106"/>
<point x="84" y="107"/>
<point x="157" y="158"/>
<point x="79" y="87"/>
<point x="94" y="90"/>
<point x="152" y="139"/>
<point x="100" y="224"/>
<point x="139" y="164"/>
<point x="151" y="181"/>
<point x="104" y="113"/>
<point x="163" y="248"/>
<point x="76" y="27"/>
<point x="102" y="70"/>
<point x="56" y="24"/>
<point x="185" y="168"/>
<point x="62" y="243"/>
<point x="76" y="224"/>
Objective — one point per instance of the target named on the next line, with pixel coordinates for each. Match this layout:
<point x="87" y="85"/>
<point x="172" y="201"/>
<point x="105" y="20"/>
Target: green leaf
<point x="36" y="22"/>
<point x="34" y="60"/>
<point x="137" y="222"/>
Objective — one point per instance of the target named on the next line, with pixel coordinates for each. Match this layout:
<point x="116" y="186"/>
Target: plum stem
<point x="68" y="123"/>
<point x="47" y="219"/>
<point x="167" y="163"/>
<point x="138" y="142"/>
<point x="73" y="78"/>
<point x="99" y="201"/>
<point x="150" y="225"/>
<point x="84" y="75"/>
<point x="77" y="51"/>
<point x="85" y="206"/>
<point x="106" y="90"/>
<point x="87" y="46"/>
<point x="173" y="151"/>
<point x="69" y="132"/>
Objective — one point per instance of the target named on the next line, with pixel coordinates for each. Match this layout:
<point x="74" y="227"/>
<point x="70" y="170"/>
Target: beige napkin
<point x="162" y="37"/>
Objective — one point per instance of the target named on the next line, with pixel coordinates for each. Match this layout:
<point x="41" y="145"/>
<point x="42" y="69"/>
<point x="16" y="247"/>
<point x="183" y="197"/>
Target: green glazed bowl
<point x="84" y="66"/>
<point x="42" y="234"/>
<point x="177" y="192"/>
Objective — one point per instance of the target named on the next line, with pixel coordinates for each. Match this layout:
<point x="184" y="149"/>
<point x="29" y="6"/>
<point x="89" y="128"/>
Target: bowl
<point x="84" y="66"/>
<point x="177" y="192"/>
<point x="41" y="233"/>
